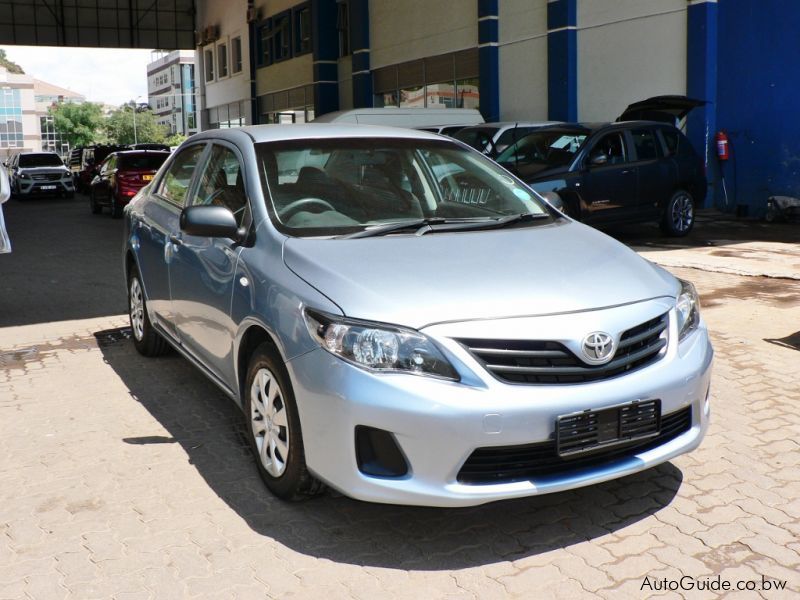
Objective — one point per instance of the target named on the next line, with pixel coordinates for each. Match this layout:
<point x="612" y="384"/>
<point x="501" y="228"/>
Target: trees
<point x="9" y="64"/>
<point x="78" y="124"/>
<point x="119" y="126"/>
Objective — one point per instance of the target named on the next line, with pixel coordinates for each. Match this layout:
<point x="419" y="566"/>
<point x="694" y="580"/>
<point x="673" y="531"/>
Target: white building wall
<point x="628" y="50"/>
<point x="523" y="59"/>
<point x="230" y="18"/>
<point x="412" y="29"/>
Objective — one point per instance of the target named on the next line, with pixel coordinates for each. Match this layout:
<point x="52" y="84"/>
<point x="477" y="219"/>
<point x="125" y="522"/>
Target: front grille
<point x="47" y="177"/>
<point x="548" y="362"/>
<point x="531" y="461"/>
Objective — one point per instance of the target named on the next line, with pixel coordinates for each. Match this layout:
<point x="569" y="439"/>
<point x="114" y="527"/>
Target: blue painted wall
<point x="758" y="101"/>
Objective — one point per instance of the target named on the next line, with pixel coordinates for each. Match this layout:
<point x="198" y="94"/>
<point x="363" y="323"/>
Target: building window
<point x="222" y="60"/>
<point x="343" y="27"/>
<point x="444" y="81"/>
<point x="265" y="44"/>
<point x="10" y="119"/>
<point x="289" y="106"/>
<point x="302" y="29"/>
<point x="282" y="36"/>
<point x="236" y="55"/>
<point x="209" y="64"/>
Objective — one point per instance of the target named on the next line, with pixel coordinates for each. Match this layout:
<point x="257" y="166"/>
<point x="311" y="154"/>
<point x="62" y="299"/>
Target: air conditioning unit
<point x="207" y="35"/>
<point x="252" y="14"/>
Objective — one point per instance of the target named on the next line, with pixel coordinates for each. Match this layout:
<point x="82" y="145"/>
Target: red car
<point x="120" y="176"/>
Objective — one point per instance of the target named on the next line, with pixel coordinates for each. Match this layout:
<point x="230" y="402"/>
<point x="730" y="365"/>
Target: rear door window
<point x="175" y="183"/>
<point x="645" y="144"/>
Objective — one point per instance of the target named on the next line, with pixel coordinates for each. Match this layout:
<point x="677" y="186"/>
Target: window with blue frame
<point x="282" y="36"/>
<point x="301" y="15"/>
<point x="264" y="41"/>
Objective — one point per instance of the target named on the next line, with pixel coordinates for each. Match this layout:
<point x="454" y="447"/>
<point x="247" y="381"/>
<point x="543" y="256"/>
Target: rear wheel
<point x="146" y="339"/>
<point x="274" y="427"/>
<point x="678" y="217"/>
<point x="116" y="209"/>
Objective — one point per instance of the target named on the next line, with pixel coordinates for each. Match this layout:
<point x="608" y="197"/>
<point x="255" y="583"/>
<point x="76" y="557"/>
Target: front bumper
<point x="32" y="187"/>
<point x="438" y="424"/>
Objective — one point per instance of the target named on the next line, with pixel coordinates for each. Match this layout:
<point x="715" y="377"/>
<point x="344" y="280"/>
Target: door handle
<point x="625" y="172"/>
<point x="176" y="239"/>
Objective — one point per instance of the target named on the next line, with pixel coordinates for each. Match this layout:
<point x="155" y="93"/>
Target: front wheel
<point x="274" y="427"/>
<point x="678" y="217"/>
<point x="147" y="340"/>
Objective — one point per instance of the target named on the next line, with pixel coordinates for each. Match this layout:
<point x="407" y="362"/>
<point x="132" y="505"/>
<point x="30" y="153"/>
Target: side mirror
<point x="598" y="159"/>
<point x="210" y="221"/>
<point x="554" y="200"/>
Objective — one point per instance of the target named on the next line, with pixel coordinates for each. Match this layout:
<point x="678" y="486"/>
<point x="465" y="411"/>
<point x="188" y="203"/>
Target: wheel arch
<point x="253" y="335"/>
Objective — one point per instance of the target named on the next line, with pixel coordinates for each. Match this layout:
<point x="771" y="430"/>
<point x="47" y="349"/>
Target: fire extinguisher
<point x="722" y="145"/>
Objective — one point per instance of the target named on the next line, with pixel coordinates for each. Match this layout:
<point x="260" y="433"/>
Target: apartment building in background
<point x="171" y="91"/>
<point x="25" y="125"/>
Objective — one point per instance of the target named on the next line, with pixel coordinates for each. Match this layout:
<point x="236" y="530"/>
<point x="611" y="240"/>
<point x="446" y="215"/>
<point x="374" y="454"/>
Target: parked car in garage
<point x="120" y="176"/>
<point x="39" y="174"/>
<point x="608" y="173"/>
<point x="407" y="333"/>
<point x="493" y="138"/>
<point x="614" y="173"/>
<point x="86" y="166"/>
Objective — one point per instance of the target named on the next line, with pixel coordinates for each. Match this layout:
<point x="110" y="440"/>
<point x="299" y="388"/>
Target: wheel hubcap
<point x="268" y="422"/>
<point x="682" y="213"/>
<point x="137" y="309"/>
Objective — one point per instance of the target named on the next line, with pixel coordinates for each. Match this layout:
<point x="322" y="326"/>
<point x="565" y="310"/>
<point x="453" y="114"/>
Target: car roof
<point x="280" y="133"/>
<point x="127" y="152"/>
<point x="37" y="153"/>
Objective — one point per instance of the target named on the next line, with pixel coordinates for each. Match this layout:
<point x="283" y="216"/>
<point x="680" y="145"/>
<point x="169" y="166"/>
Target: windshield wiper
<point x="434" y="224"/>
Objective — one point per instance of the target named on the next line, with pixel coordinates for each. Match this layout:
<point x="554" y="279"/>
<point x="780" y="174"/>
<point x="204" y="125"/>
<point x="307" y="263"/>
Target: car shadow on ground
<point x="712" y="228"/>
<point x="210" y="429"/>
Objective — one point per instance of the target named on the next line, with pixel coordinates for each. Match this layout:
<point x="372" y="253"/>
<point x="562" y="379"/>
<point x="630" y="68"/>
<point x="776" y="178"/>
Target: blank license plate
<point x="147" y="178"/>
<point x="590" y="430"/>
<point x="48" y="187"/>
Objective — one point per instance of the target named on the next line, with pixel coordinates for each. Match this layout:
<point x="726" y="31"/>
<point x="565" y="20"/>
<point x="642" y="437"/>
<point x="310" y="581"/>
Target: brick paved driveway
<point x="123" y="477"/>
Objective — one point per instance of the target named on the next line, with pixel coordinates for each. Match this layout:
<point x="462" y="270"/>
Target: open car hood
<point x="668" y="109"/>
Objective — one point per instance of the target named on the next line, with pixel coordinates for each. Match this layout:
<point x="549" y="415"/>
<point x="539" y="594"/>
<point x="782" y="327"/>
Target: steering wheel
<point x="295" y="207"/>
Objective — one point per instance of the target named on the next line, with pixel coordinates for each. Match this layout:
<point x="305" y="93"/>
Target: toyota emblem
<point x="598" y="348"/>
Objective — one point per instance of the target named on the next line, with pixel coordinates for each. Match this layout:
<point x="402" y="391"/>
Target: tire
<point x="147" y="340"/>
<point x="678" y="217"/>
<point x="282" y="463"/>
<point x="96" y="208"/>
<point x="116" y="209"/>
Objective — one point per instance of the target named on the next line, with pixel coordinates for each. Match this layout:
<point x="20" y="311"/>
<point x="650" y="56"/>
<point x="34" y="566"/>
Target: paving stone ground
<point x="125" y="477"/>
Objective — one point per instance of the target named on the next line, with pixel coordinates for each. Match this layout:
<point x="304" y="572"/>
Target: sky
<point x="105" y="75"/>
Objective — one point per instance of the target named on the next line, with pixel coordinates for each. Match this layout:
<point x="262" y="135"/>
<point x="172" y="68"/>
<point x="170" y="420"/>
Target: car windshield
<point x="144" y="162"/>
<point x="479" y="138"/>
<point x="543" y="149"/>
<point x="341" y="186"/>
<point x="40" y="160"/>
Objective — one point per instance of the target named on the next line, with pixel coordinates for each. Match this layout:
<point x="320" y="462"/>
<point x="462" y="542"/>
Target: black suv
<point x="614" y="172"/>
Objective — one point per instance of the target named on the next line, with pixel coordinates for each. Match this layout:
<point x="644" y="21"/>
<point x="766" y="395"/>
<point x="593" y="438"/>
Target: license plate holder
<point x="595" y="429"/>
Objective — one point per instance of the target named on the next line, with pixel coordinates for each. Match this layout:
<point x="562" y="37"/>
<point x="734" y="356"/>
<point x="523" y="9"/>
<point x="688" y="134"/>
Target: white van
<point x="405" y="117"/>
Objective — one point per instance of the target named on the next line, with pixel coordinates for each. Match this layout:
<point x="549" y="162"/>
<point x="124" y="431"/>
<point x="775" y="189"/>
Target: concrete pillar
<point x="489" y="59"/>
<point x="325" y="48"/>
<point x="562" y="60"/>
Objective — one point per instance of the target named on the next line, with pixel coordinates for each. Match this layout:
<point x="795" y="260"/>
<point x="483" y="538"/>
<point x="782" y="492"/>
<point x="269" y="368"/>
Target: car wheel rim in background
<point x="682" y="213"/>
<point x="269" y="422"/>
<point x="137" y="309"/>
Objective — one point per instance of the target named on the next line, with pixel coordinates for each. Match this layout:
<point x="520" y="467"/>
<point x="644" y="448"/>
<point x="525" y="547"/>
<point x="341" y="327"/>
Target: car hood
<point x="668" y="109"/>
<point x="417" y="281"/>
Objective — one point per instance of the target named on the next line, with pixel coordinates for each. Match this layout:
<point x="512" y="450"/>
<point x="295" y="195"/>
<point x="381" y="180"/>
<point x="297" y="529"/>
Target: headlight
<point x="378" y="347"/>
<point x="66" y="175"/>
<point x="24" y="176"/>
<point x="688" y="309"/>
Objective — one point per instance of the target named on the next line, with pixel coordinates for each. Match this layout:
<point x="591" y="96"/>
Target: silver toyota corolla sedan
<point x="402" y="320"/>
